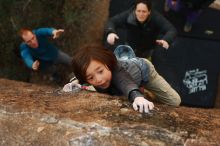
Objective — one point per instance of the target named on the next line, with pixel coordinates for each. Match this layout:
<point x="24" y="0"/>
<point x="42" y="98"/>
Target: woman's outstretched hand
<point x="111" y="38"/>
<point x="71" y="87"/>
<point x="142" y="105"/>
<point x="163" y="43"/>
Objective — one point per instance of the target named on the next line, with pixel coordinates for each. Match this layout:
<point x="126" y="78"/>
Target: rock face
<point x="41" y="115"/>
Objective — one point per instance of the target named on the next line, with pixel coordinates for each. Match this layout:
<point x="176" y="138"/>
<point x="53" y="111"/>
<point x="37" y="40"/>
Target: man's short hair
<point x="24" y="31"/>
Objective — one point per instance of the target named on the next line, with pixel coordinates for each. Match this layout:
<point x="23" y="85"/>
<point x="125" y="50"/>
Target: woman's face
<point x="142" y="12"/>
<point x="98" y="75"/>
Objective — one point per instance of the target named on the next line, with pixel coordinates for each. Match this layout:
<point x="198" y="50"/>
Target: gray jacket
<point x="141" y="37"/>
<point x="127" y="77"/>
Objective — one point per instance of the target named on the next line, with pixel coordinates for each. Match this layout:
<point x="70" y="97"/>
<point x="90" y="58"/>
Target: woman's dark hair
<point x="146" y="2"/>
<point x="83" y="56"/>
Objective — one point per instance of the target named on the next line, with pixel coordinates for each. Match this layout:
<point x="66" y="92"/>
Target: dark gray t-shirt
<point x="137" y="68"/>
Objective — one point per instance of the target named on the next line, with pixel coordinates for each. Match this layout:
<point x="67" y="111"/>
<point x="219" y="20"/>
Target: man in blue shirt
<point x="38" y="53"/>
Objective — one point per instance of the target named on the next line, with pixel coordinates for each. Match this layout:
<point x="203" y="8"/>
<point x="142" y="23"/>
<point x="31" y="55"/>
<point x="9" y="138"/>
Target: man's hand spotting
<point x="57" y="33"/>
<point x="35" y="65"/>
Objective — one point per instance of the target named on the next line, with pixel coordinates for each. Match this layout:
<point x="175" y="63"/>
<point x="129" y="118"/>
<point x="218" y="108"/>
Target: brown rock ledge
<point x="41" y="115"/>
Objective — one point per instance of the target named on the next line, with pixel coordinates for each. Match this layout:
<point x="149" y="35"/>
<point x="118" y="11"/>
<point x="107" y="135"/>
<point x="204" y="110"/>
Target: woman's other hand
<point x="142" y="105"/>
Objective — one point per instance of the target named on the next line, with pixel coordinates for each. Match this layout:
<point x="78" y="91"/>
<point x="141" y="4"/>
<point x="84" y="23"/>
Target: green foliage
<point x="73" y="15"/>
<point x="16" y="14"/>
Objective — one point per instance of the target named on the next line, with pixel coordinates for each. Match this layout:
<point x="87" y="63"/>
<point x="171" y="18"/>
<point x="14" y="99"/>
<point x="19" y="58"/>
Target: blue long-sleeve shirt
<point x="46" y="52"/>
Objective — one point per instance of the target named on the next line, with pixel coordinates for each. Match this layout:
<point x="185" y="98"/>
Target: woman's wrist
<point x="133" y="94"/>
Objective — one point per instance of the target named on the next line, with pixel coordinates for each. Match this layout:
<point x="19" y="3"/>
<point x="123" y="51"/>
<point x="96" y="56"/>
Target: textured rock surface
<point x="42" y="115"/>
